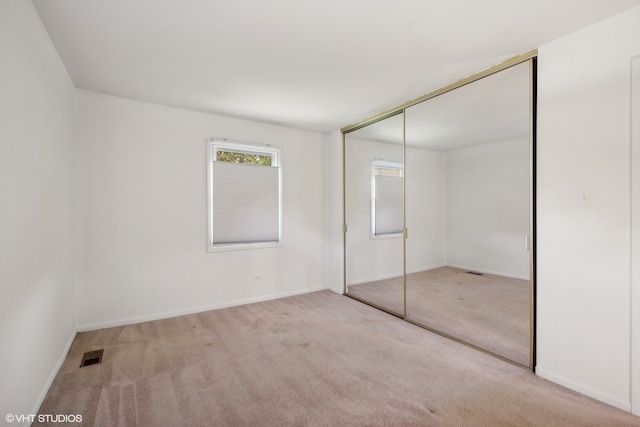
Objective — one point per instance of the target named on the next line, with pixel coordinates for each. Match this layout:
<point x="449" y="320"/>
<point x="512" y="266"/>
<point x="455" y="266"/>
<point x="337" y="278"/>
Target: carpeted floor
<point x="488" y="311"/>
<point x="318" y="359"/>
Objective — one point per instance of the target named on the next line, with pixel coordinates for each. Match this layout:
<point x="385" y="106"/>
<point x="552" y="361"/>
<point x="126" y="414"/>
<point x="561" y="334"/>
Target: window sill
<point x="242" y="246"/>
<point x="387" y="236"/>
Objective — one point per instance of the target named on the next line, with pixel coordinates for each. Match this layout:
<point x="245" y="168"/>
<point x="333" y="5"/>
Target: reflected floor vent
<point x="474" y="272"/>
<point x="92" y="358"/>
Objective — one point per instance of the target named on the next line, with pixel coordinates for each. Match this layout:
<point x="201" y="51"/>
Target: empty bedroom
<point x="252" y="213"/>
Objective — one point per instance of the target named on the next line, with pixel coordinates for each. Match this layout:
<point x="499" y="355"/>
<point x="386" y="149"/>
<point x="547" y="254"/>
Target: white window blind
<point x="388" y="205"/>
<point x="245" y="202"/>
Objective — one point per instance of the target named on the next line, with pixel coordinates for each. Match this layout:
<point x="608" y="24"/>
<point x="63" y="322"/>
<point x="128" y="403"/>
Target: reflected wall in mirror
<point x="374" y="214"/>
<point x="470" y="224"/>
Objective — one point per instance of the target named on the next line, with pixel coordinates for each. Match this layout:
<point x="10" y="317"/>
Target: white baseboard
<point x="584" y="389"/>
<point x="168" y="314"/>
<point x="485" y="271"/>
<point x="52" y="376"/>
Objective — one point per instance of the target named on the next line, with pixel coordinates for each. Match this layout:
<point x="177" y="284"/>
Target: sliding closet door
<point x="374" y="214"/>
<point x="468" y="211"/>
<point x="439" y="210"/>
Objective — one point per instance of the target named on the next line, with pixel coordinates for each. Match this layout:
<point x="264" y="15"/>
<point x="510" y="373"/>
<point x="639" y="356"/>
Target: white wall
<point x="141" y="214"/>
<point x="334" y="215"/>
<point x="583" y="256"/>
<point x="425" y="209"/>
<point x="37" y="302"/>
<point x="488" y="208"/>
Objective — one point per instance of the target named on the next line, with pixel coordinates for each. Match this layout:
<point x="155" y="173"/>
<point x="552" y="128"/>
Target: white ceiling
<point x="316" y="65"/>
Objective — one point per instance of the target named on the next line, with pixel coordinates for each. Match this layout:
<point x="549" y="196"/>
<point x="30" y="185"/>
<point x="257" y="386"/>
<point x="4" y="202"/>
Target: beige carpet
<point x="488" y="311"/>
<point x="318" y="359"/>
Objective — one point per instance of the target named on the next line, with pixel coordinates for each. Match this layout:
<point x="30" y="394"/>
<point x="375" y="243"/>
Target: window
<point x="245" y="196"/>
<point x="387" y="206"/>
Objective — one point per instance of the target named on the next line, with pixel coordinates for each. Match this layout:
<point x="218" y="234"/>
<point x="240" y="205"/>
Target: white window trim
<point x="376" y="163"/>
<point x="213" y="144"/>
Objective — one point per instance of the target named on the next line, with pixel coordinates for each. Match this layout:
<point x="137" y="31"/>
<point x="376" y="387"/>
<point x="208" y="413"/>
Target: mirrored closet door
<point x="439" y="211"/>
<point x="468" y="212"/>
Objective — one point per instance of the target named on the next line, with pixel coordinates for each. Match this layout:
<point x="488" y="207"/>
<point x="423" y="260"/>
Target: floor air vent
<point x="92" y="358"/>
<point x="474" y="272"/>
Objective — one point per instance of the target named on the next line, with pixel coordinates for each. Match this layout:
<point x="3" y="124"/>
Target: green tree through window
<point x="249" y="158"/>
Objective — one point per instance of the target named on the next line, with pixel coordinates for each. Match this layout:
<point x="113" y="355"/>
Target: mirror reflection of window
<point x="387" y="205"/>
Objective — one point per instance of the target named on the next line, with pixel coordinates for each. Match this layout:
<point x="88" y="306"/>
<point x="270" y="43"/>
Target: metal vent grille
<point x="92" y="358"/>
<point x="474" y="272"/>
